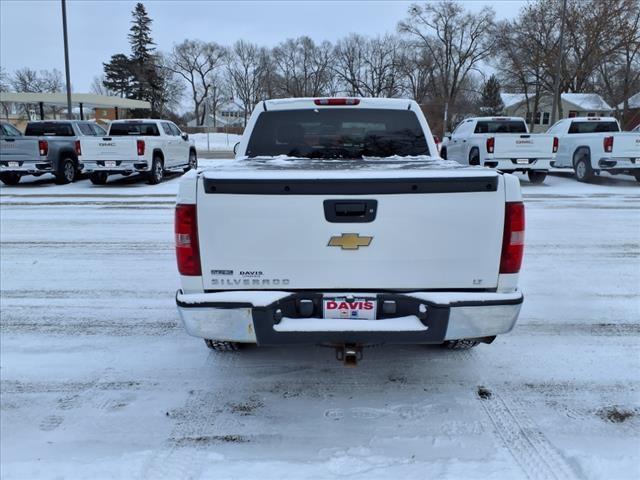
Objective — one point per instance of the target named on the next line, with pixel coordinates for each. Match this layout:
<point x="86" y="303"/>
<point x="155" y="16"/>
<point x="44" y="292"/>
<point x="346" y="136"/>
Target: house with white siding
<point x="573" y="105"/>
<point x="230" y="114"/>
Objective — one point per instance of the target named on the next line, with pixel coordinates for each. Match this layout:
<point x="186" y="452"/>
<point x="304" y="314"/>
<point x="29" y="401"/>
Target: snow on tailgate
<point x="391" y="167"/>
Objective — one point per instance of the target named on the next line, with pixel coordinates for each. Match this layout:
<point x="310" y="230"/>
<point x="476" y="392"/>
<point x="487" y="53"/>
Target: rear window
<point x="501" y="126"/>
<point x="86" y="129"/>
<point x="139" y="129"/>
<point x="49" y="130"/>
<point x="593" y="127"/>
<point x="9" y="130"/>
<point x="337" y="133"/>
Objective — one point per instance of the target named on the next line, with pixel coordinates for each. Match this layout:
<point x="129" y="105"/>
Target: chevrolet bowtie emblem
<point x="349" y="241"/>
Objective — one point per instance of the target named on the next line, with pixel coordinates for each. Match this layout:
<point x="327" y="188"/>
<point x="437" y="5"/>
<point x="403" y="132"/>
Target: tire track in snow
<point x="537" y="457"/>
<point x="529" y="447"/>
<point x="198" y="424"/>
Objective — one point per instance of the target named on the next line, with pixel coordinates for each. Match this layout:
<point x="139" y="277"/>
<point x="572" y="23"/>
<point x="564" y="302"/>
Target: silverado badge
<point x="349" y="241"/>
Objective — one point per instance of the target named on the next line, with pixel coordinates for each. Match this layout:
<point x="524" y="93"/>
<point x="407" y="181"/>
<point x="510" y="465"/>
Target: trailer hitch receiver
<point x="350" y="354"/>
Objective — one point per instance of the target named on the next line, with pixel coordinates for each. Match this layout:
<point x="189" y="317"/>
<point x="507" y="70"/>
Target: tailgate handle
<point x="351" y="209"/>
<point x="348" y="211"/>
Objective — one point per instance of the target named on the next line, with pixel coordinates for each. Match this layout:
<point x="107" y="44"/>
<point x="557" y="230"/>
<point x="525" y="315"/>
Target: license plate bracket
<point x="14" y="164"/>
<point x="359" y="307"/>
<point x="110" y="164"/>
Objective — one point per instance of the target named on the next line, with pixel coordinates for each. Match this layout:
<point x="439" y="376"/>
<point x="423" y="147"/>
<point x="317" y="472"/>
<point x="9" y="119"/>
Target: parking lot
<point x="98" y="378"/>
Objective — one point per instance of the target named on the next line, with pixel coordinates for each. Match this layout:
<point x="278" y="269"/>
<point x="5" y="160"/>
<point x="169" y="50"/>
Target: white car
<point x="503" y="143"/>
<point x="145" y="146"/>
<point x="591" y="145"/>
<point x="338" y="224"/>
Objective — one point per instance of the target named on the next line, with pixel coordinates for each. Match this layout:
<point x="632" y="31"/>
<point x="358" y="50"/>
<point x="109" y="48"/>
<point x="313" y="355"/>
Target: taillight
<point x="140" y="145"/>
<point x="78" y="148"/>
<point x="436" y="139"/>
<point x="555" y="144"/>
<point x="187" y="250"/>
<point x="608" y="144"/>
<point x="513" y="238"/>
<point x="336" y="101"/>
<point x="43" y="146"/>
<point x="491" y="142"/>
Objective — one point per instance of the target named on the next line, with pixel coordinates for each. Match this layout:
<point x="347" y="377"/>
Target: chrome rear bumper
<point x="272" y="319"/>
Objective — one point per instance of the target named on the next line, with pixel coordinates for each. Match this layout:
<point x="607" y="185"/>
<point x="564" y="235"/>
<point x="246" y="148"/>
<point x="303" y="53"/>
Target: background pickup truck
<point x="46" y="147"/>
<point x="146" y="146"/>
<point x="503" y="143"/>
<point x="338" y="224"/>
<point x="591" y="145"/>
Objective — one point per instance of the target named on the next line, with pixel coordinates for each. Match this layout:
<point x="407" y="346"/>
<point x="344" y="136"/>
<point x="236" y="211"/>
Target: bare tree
<point x="167" y="89"/>
<point x="51" y="81"/>
<point x="599" y="36"/>
<point x="303" y="68"/>
<point x="216" y="97"/>
<point x="618" y="75"/>
<point x="31" y="81"/>
<point x="195" y="61"/>
<point x="526" y="52"/>
<point x="456" y="40"/>
<point x="246" y="72"/>
<point x="416" y="68"/>
<point x="26" y="80"/>
<point x="595" y="30"/>
<point x="369" y="67"/>
<point x="4" y="87"/>
<point x="97" y="86"/>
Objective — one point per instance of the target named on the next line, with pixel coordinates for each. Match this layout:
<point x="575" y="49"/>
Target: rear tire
<point x="98" y="178"/>
<point x="474" y="157"/>
<point x="66" y="172"/>
<point x="156" y="174"/>
<point x="10" y="178"/>
<point x="193" y="161"/>
<point x="536" y="177"/>
<point x="462" y="344"/>
<point x="582" y="166"/>
<point x="221" y="345"/>
<point x="443" y="153"/>
<point x="637" y="175"/>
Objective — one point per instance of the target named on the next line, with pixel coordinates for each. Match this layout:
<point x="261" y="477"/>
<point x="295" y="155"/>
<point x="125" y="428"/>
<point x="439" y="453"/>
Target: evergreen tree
<point x="117" y="75"/>
<point x="142" y="45"/>
<point x="490" y="102"/>
<point x="146" y="81"/>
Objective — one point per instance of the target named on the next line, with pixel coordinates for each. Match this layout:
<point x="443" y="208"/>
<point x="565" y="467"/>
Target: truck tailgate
<point x="400" y="229"/>
<point x="523" y="146"/>
<point x="109" y="148"/>
<point x="626" y="145"/>
<point x="19" y="149"/>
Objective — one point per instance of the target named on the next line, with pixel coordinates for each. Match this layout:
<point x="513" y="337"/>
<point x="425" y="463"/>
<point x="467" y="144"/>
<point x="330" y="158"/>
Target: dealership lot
<point x="98" y="378"/>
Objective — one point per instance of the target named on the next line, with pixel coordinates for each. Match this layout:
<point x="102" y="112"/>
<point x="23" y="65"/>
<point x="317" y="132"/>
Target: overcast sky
<point x="31" y="31"/>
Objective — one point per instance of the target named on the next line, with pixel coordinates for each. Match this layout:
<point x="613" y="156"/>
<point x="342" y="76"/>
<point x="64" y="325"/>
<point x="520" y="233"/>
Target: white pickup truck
<point x="503" y="143"/>
<point x="145" y="146"/>
<point x="338" y="224"/>
<point x="591" y="145"/>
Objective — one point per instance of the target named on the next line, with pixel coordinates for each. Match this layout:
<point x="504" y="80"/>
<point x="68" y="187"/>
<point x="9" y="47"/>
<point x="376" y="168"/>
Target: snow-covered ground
<point x="98" y="379"/>
<point x="216" y="142"/>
